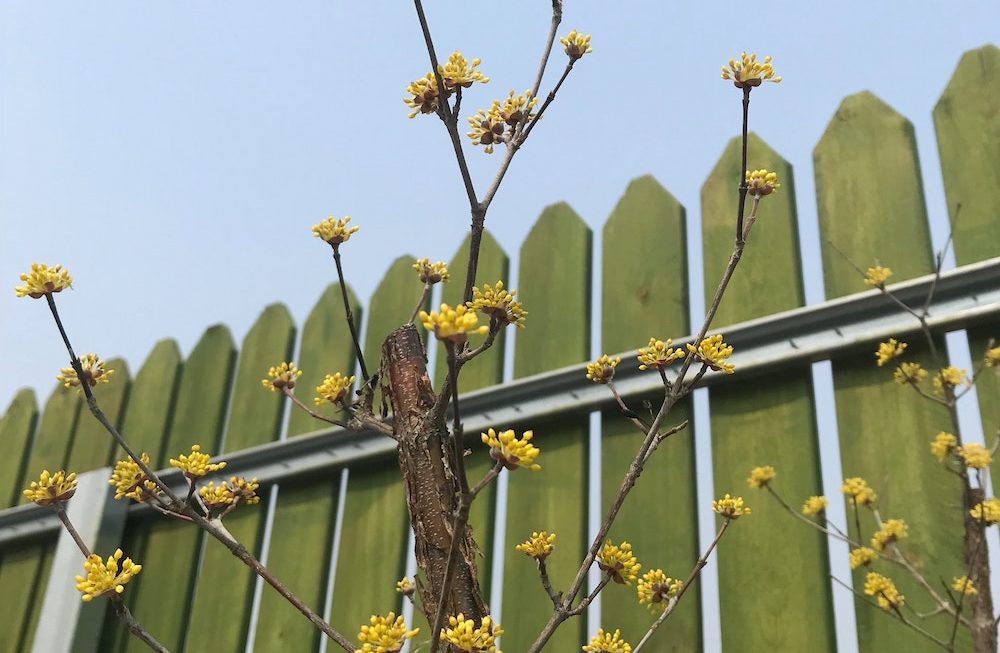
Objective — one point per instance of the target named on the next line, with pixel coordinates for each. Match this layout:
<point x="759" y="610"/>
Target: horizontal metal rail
<point x="963" y="297"/>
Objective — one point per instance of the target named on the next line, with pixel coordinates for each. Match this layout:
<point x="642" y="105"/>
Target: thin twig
<point x="587" y="600"/>
<point x="348" y="313"/>
<point x="420" y="303"/>
<point x="743" y="164"/>
<point x="899" y="615"/>
<point x="543" y="574"/>
<point x="309" y="411"/>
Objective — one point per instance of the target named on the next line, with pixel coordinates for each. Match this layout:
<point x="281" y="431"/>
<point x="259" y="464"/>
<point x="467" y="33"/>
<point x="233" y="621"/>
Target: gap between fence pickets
<point x="65" y="623"/>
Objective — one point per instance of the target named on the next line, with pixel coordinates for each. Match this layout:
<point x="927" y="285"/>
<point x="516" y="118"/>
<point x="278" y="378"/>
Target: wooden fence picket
<point x="16" y="428"/>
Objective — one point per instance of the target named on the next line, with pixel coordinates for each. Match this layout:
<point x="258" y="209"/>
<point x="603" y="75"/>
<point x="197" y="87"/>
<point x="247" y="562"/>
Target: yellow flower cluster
<point x="619" y="562"/>
<point x="992" y="357"/>
<point x="862" y="556"/>
<point x="884" y="590"/>
<point x="975" y="456"/>
<point x="892" y="530"/>
<point x="518" y="108"/>
<point x="130" y="482"/>
<point x="909" y="373"/>
<point x="877" y="276"/>
<point x="94" y="372"/>
<point x="384" y="634"/>
<point x="657" y="354"/>
<point x="576" y="45"/>
<point x="195" y="464"/>
<point x="333" y="388"/>
<point x="423" y="95"/>
<point x="712" y="351"/>
<point x="498" y="303"/>
<point x="506" y="448"/>
<point x="539" y="546"/>
<point x="282" y="376"/>
<point x="948" y="378"/>
<point x="43" y="280"/>
<point x="487" y="128"/>
<point x="236" y="490"/>
<point x="655" y="589"/>
<point x="103" y="578"/>
<point x="730" y="507"/>
<point x="749" y="72"/>
<point x="814" y="506"/>
<point x="604" y="642"/>
<point x="987" y="511"/>
<point x="761" y="182"/>
<point x="603" y="369"/>
<point x="761" y="476"/>
<point x="963" y="585"/>
<point x="50" y="488"/>
<point x="943" y="444"/>
<point x="464" y="635"/>
<point x="858" y="492"/>
<point x="888" y="350"/>
<point x="459" y="72"/>
<point x="431" y="273"/>
<point x="334" y="231"/>
<point x="452" y="324"/>
<point x="406" y="586"/>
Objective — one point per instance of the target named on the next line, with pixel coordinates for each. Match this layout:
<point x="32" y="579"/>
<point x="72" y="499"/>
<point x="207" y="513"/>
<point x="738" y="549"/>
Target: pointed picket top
<point x="487" y="369"/>
<point x="769" y="276"/>
<point x="967" y="122"/>
<point x="325" y="348"/>
<point x="390" y="307"/>
<point x="16" y="428"/>
<point x="93" y="446"/>
<point x="869" y="195"/>
<point x="54" y="436"/>
<point x="151" y="398"/>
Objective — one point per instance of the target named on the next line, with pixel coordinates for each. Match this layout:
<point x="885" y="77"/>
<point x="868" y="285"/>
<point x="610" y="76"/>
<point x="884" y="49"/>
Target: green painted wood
<point x="987" y="389"/>
<point x="967" y="122"/>
<point x="170" y="557"/>
<point x="299" y="556"/>
<point x="326" y="348"/>
<point x="764" y="420"/>
<point x="220" y="607"/>
<point x="93" y="447"/>
<point x="55" y="433"/>
<point x="556" y="294"/>
<point x="24" y="574"/>
<point x="870" y="205"/>
<point x="151" y="400"/>
<point x="644" y="281"/>
<point x="16" y="428"/>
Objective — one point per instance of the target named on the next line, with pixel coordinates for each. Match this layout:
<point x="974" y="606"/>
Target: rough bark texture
<point x="984" y="628"/>
<point x="433" y="491"/>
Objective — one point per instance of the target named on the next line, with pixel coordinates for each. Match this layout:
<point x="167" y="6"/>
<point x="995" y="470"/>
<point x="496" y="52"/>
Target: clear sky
<point x="174" y="155"/>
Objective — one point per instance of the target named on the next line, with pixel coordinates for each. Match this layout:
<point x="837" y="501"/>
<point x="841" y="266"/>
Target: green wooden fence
<point x="774" y="589"/>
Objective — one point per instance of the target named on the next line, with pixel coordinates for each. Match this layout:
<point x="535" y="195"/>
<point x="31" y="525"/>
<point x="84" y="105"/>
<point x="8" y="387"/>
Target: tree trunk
<point x="977" y="561"/>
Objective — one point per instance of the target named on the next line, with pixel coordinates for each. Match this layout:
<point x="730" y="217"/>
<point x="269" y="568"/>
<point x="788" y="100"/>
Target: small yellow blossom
<point x="884" y="590"/>
<point x="889" y="350"/>
<point x="730" y="507"/>
<point x="909" y="373"/>
<point x="244" y="491"/>
<point x="749" y="72"/>
<point x="50" y="488"/>
<point x="406" y="586"/>
<point x="282" y="376"/>
<point x="862" y="556"/>
<point x="975" y="456"/>
<point x="655" y="589"/>
<point x="506" y="448"/>
<point x="195" y="464"/>
<point x="131" y="482"/>
<point x="858" y="492"/>
<point x="948" y="378"/>
<point x="94" y="371"/>
<point x="103" y="578"/>
<point x="603" y="369"/>
<point x="424" y="95"/>
<point x="814" y="506"/>
<point x="43" y="280"/>
<point x="452" y="324"/>
<point x="215" y="496"/>
<point x="576" y="45"/>
<point x="619" y="562"/>
<point x="384" y="634"/>
<point x="333" y="388"/>
<point x="487" y="128"/>
<point x="431" y="273"/>
<point x="498" y="303"/>
<point x="761" y="182"/>
<point x="943" y="444"/>
<point x="518" y="108"/>
<point x="539" y="546"/>
<point x="712" y="351"/>
<point x="892" y="530"/>
<point x="459" y="72"/>
<point x="236" y="490"/>
<point x="605" y="642"/>
<point x="760" y="476"/>
<point x="464" y="635"/>
<point x="657" y="354"/>
<point x="334" y="231"/>
<point x="877" y="276"/>
<point x="992" y="357"/>
<point x="963" y="585"/>
<point x="987" y="511"/>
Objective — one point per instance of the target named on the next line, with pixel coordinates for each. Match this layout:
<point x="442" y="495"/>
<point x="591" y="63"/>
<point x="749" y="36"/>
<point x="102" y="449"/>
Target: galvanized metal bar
<point x="963" y="297"/>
